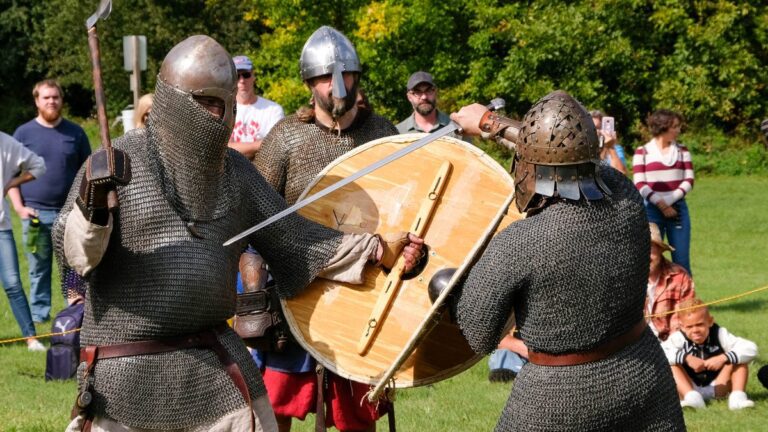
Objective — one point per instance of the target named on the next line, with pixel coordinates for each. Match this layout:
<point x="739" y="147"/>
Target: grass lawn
<point x="729" y="256"/>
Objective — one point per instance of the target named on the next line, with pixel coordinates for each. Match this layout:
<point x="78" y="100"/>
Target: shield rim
<point x="423" y="328"/>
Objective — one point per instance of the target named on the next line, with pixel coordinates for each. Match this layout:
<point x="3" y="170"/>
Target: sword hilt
<point x="495" y="105"/>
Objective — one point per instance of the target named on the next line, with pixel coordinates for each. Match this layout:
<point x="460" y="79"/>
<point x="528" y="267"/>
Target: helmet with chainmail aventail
<point x="200" y="66"/>
<point x="326" y="52"/>
<point x="188" y="143"/>
<point x="558" y="153"/>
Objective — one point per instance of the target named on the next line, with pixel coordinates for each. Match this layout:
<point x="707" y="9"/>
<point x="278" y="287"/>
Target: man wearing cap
<point x="255" y="114"/>
<point x="668" y="285"/>
<point x="422" y="94"/>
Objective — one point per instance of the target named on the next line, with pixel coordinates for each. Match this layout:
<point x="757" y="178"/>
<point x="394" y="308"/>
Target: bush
<point x="714" y="152"/>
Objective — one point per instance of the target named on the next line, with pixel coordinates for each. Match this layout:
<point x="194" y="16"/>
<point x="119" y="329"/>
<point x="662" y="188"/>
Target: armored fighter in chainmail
<point x="574" y="273"/>
<point x="292" y="154"/>
<point x="157" y="353"/>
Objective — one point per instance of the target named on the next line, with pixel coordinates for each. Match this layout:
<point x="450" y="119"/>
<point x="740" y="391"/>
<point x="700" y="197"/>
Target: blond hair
<point x="46" y="83"/>
<point x="690" y="306"/>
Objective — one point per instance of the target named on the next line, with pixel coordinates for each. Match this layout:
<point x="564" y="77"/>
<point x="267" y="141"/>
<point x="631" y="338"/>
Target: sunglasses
<point x="245" y="75"/>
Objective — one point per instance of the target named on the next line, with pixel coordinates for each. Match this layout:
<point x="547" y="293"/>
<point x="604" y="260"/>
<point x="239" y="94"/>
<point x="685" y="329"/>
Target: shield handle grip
<point x="392" y="283"/>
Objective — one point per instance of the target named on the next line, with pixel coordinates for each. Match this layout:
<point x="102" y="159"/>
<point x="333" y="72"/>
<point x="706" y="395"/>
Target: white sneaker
<point x="35" y="345"/>
<point x="693" y="399"/>
<point x="738" y="400"/>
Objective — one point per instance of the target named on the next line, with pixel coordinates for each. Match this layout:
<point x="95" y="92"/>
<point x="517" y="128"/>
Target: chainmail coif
<point x="294" y="151"/>
<point x="185" y="142"/>
<point x="157" y="280"/>
<point x="575" y="275"/>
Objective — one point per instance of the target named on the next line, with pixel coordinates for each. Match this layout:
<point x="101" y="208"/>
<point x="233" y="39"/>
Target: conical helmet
<point x="326" y="52"/>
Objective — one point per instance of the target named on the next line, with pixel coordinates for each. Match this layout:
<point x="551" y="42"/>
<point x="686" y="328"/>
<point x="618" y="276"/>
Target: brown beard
<point x="425" y="108"/>
<point x="50" y="115"/>
<point x="334" y="106"/>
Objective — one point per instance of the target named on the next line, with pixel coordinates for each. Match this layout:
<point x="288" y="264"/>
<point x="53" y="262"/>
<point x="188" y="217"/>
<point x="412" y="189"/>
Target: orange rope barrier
<point x="722" y="300"/>
<point x="47" y="335"/>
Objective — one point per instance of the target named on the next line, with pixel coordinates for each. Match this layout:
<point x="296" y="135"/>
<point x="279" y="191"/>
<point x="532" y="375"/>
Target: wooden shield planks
<point x="329" y="317"/>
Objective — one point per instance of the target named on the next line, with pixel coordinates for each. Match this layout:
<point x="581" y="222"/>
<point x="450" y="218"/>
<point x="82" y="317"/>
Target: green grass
<point x="729" y="256"/>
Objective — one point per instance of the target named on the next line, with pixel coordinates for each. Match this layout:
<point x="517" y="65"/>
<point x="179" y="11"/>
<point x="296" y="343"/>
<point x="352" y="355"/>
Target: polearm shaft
<point x="98" y="88"/>
<point x="494" y="105"/>
<point x="105" y="7"/>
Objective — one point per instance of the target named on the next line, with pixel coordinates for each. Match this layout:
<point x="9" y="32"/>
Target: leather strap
<point x="503" y="129"/>
<point x="391" y="417"/>
<point x="598" y="353"/>
<point x="320" y="406"/>
<point x="204" y="339"/>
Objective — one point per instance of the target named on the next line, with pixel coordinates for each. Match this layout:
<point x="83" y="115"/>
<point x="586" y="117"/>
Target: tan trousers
<point x="236" y="421"/>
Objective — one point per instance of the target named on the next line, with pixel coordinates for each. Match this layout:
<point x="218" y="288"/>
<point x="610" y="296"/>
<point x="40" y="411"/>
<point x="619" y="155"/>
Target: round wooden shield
<point x="451" y="192"/>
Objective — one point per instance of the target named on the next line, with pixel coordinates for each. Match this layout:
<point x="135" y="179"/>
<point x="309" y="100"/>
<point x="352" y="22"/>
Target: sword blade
<point x="343" y="182"/>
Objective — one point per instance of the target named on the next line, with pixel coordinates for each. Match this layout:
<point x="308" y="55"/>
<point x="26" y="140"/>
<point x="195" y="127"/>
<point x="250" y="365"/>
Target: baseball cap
<point x="418" y="78"/>
<point x="242" y="63"/>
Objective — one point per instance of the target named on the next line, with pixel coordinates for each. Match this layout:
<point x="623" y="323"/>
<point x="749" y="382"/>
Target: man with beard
<point x="422" y="94"/>
<point x="292" y="154"/>
<point x="157" y="353"/>
<point x="574" y="272"/>
<point x="64" y="147"/>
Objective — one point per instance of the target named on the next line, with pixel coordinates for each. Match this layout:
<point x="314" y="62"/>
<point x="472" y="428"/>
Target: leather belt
<point x="600" y="352"/>
<point x="205" y="339"/>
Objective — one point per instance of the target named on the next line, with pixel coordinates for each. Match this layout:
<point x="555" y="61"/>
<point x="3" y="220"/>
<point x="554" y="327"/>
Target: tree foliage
<point x="706" y="59"/>
<point x="15" y="82"/>
<point x="53" y="42"/>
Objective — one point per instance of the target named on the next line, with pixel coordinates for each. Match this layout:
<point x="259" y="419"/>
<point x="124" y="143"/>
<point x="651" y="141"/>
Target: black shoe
<point x="501" y="375"/>
<point x="762" y="375"/>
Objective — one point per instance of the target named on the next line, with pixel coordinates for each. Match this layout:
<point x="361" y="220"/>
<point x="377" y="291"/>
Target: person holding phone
<point x="663" y="173"/>
<point x="611" y="153"/>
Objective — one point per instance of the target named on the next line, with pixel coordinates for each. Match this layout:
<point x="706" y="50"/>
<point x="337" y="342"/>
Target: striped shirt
<point x="667" y="177"/>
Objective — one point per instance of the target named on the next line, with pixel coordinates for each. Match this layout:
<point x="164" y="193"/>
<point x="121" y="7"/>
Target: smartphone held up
<point x="608" y="125"/>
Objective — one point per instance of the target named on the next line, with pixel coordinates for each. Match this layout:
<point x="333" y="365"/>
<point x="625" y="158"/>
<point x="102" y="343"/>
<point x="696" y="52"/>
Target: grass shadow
<point x="741" y="306"/>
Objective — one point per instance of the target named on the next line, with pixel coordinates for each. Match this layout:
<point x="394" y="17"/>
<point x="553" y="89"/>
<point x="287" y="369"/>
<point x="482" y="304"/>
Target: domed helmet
<point x="187" y="143"/>
<point x="558" y="153"/>
<point x="200" y="66"/>
<point x="328" y="51"/>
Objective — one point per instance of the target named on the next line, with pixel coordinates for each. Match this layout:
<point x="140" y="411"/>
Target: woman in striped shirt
<point x="663" y="173"/>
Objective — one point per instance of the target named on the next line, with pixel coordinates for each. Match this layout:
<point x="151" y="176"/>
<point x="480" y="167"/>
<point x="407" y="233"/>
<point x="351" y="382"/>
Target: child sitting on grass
<point x="708" y="361"/>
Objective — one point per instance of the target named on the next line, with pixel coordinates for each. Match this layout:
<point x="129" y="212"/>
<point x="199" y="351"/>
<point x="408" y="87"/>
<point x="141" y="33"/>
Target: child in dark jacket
<point x="707" y="361"/>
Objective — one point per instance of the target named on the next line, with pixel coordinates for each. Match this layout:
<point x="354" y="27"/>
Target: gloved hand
<point x="391" y="245"/>
<point x="104" y="171"/>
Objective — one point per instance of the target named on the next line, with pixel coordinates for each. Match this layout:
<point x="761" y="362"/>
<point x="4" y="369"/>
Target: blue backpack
<point x="64" y="354"/>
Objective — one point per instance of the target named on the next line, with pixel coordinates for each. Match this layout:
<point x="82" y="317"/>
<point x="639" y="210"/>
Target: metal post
<point x="136" y="72"/>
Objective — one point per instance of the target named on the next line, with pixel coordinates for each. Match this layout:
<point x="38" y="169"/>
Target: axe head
<point x="105" y="8"/>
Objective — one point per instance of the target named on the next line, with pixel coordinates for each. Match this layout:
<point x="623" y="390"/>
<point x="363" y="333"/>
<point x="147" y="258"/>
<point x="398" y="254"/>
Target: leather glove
<point x="392" y="244"/>
<point x="104" y="171"/>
